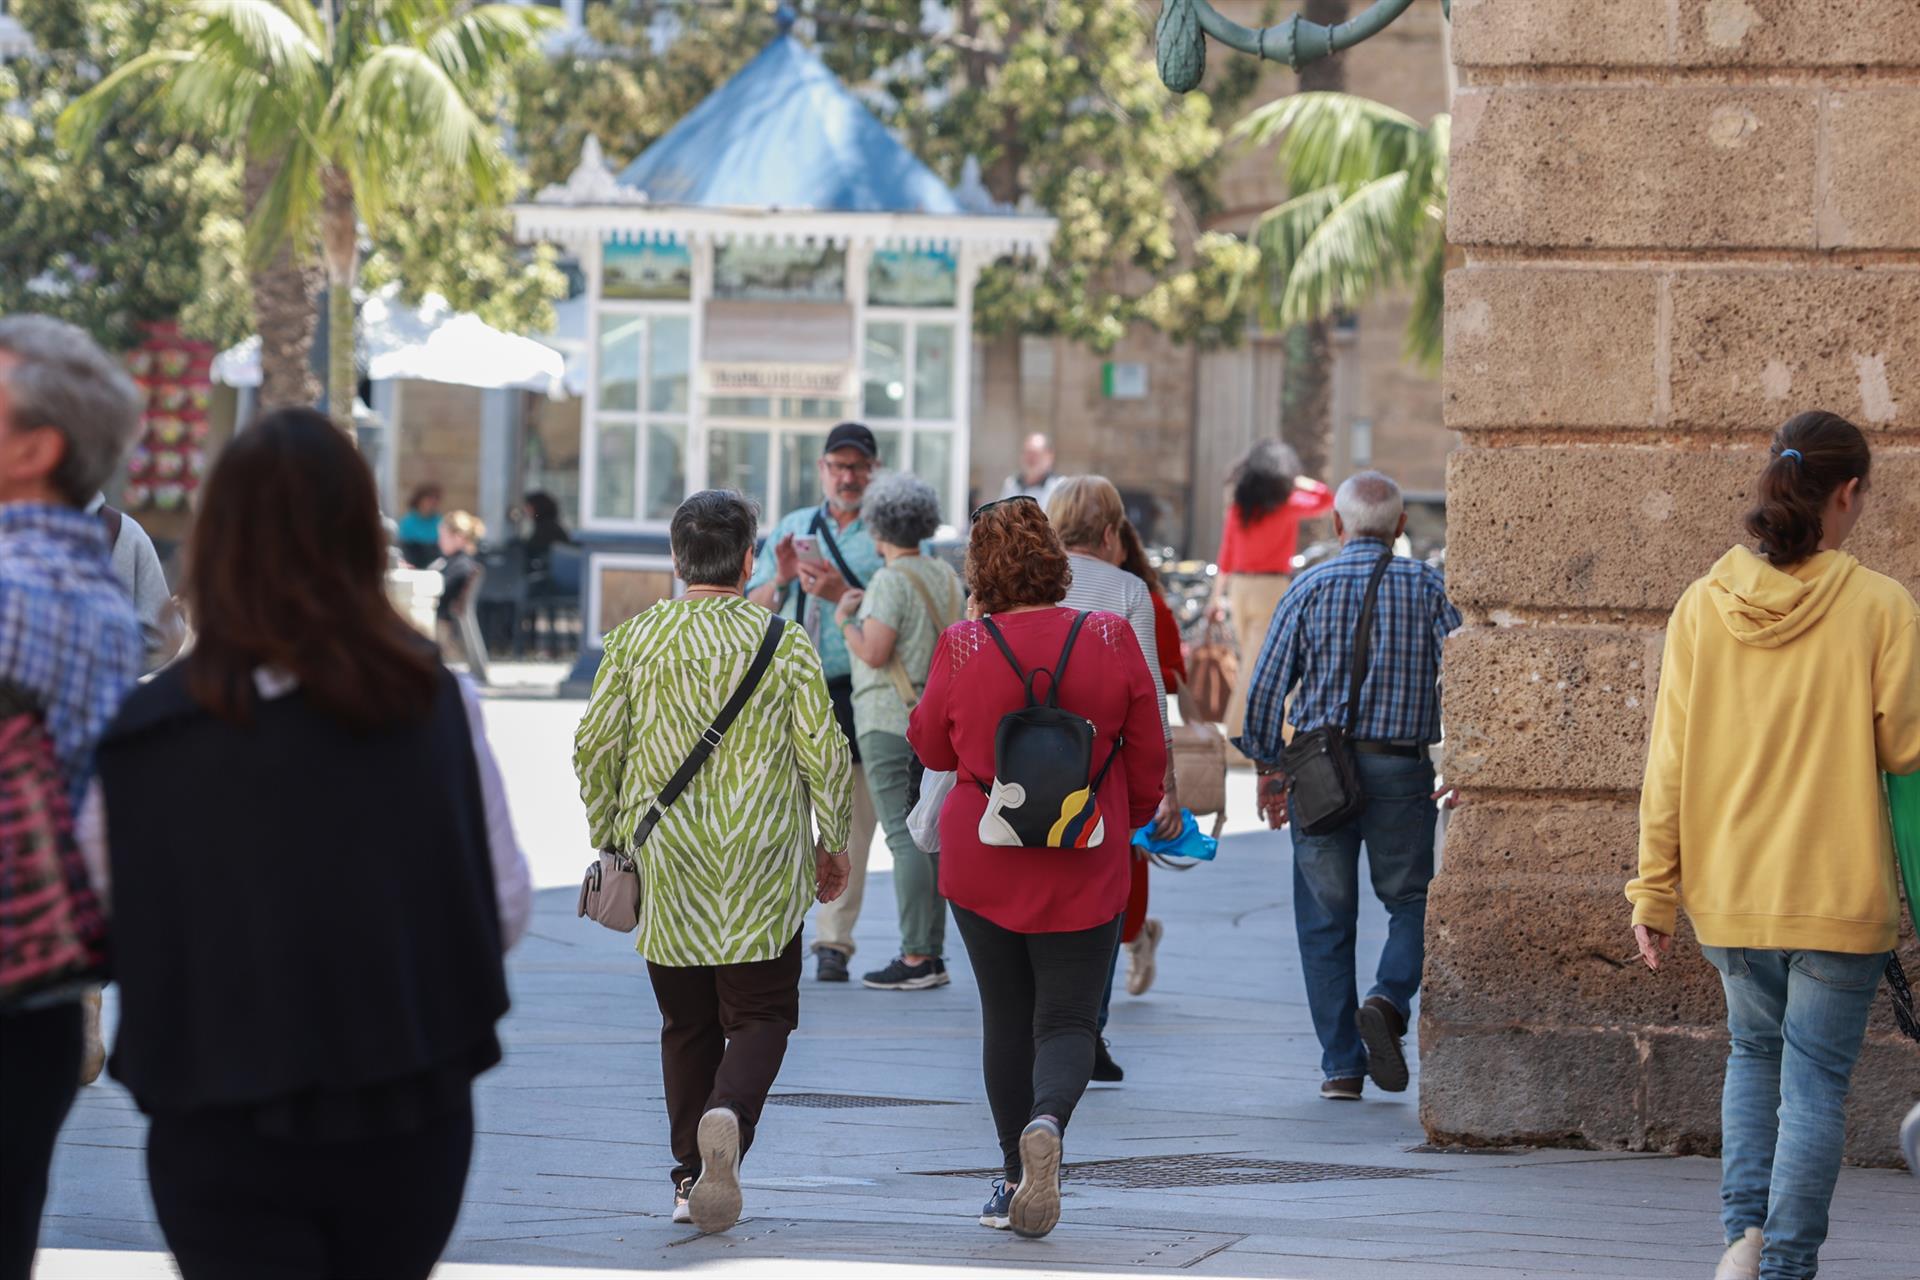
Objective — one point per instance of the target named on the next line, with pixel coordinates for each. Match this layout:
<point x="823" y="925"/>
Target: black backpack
<point x="1045" y="793"/>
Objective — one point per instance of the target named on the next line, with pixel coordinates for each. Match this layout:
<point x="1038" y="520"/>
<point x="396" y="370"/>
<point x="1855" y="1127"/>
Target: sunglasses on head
<point x="985" y="507"/>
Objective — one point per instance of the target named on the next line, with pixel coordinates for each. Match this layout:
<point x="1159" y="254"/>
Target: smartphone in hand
<point x="808" y="548"/>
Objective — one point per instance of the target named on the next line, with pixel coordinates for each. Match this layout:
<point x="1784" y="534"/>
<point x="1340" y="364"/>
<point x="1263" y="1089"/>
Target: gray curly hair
<point x="901" y="508"/>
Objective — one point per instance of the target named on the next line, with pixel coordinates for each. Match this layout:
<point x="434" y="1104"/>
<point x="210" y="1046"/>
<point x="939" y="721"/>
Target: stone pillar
<point x="1683" y="220"/>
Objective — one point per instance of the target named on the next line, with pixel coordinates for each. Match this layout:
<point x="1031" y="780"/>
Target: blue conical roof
<point x="785" y="133"/>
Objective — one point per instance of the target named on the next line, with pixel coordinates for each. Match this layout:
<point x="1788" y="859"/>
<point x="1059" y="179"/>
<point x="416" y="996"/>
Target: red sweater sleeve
<point x="929" y="729"/>
<point x="1311" y="499"/>
<point x="1145" y="754"/>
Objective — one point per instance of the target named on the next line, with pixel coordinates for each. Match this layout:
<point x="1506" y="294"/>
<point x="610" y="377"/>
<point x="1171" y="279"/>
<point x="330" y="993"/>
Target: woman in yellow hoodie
<point x="1791" y="681"/>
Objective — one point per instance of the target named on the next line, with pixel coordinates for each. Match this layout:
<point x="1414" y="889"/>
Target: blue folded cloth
<point x="1191" y="843"/>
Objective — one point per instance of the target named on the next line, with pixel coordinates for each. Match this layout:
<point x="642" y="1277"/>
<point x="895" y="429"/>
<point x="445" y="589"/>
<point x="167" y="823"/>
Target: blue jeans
<point x="1796" y="1020"/>
<point x="1397" y="830"/>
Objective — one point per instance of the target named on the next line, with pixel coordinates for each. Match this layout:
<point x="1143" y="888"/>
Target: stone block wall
<point x="1683" y="221"/>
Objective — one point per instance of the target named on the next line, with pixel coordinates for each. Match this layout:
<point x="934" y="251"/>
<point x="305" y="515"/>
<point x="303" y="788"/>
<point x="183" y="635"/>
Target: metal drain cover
<point x="844" y="1100"/>
<point x="1159" y="1173"/>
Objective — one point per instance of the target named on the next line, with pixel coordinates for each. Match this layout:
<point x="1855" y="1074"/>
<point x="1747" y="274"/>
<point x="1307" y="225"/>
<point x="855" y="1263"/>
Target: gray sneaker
<point x="830" y="965"/>
<point x="714" y="1201"/>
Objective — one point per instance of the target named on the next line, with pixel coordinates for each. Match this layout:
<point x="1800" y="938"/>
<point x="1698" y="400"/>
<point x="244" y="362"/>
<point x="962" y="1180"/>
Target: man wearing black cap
<point x="819" y="554"/>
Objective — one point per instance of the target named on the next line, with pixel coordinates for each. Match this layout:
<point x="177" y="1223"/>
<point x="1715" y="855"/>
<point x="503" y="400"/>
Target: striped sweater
<point x="1099" y="587"/>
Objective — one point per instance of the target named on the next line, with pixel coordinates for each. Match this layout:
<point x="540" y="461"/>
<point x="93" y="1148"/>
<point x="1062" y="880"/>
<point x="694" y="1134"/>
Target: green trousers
<point x="916" y="875"/>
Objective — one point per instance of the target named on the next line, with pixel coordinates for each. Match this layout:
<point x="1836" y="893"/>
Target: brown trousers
<point x="723" y="1036"/>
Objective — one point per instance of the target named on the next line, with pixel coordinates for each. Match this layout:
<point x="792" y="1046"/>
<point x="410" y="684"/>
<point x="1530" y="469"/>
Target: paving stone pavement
<point x="569" y="1172"/>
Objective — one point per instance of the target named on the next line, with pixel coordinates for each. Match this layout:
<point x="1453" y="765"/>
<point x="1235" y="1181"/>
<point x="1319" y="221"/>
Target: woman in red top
<point x="1040" y="925"/>
<point x="1257" y="546"/>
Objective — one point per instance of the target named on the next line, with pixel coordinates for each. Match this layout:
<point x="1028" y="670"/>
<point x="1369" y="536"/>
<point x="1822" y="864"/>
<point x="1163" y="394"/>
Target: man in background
<point x="1036" y="477"/>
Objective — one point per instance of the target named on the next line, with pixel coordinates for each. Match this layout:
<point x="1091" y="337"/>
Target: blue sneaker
<point x="995" y="1214"/>
<point x="1035" y="1207"/>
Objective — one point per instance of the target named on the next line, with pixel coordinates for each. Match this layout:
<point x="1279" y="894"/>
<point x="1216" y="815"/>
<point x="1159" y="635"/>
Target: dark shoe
<point x="1381" y="1026"/>
<point x="1034" y="1209"/>
<point x="901" y="976"/>
<point x="994" y="1213"/>
<point x="829" y="965"/>
<point x="714" y="1201"/>
<point x="1346" y="1089"/>
<point x="1105" y="1069"/>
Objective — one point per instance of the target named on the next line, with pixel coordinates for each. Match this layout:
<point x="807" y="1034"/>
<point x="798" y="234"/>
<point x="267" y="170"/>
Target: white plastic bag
<point x="924" y="821"/>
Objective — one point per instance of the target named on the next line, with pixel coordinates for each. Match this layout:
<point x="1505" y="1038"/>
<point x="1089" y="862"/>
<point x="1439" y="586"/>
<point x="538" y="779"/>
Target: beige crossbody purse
<point x="896" y="669"/>
<point x="610" y="893"/>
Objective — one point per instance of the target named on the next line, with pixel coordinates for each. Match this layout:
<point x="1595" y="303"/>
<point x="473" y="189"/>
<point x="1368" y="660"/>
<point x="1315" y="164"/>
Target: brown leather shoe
<point x="1343" y="1090"/>
<point x="1381" y="1027"/>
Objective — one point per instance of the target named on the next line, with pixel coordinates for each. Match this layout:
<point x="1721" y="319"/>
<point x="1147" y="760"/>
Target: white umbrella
<point x="468" y="351"/>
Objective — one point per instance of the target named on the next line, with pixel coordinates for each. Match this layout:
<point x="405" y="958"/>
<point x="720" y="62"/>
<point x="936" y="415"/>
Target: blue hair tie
<point x="1792" y="453"/>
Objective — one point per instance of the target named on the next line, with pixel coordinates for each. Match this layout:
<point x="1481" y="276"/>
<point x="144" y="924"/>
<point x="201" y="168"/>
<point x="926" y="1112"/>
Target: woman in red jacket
<point x="1040" y="925"/>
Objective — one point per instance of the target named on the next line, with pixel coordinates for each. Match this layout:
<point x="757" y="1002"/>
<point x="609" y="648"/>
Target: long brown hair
<point x="1814" y="453"/>
<point x="287" y="567"/>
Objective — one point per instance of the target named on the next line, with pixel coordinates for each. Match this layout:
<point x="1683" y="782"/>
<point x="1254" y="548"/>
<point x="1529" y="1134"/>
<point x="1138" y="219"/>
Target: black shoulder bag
<point x="610" y="894"/>
<point x="1323" y="782"/>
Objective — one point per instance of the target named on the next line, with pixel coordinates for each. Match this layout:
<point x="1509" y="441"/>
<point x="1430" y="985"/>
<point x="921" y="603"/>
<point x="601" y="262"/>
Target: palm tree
<point x="1369" y="211"/>
<point x="338" y="97"/>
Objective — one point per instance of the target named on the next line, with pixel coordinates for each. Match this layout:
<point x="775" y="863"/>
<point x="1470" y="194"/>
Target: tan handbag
<point x="610" y="891"/>
<point x="1200" y="764"/>
<point x="1212" y="668"/>
<point x="896" y="669"/>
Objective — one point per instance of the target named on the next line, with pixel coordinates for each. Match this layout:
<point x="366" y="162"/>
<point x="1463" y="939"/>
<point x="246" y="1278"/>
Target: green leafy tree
<point x="342" y="99"/>
<point x="142" y="229"/>
<point x="1369" y="211"/>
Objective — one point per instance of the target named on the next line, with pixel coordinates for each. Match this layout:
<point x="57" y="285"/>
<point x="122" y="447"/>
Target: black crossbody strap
<point x="824" y="527"/>
<point x="710" y="738"/>
<point x="1363" y="641"/>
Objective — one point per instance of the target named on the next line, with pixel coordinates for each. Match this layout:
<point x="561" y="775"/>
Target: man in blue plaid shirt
<point x="1308" y="657"/>
<point x="70" y="646"/>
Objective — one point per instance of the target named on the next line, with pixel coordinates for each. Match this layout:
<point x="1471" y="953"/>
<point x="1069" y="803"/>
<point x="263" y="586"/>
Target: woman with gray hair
<point x="890" y="630"/>
<point x="729" y="869"/>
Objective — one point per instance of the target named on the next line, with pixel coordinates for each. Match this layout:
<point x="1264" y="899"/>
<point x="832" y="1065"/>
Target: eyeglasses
<point x="985" y="507"/>
<point x="848" y="468"/>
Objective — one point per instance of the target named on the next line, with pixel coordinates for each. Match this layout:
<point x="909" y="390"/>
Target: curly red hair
<point x="1014" y="558"/>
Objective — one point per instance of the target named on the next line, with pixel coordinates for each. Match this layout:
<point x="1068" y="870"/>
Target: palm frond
<point x="1426" y="327"/>
<point x="1280" y="234"/>
<point x="1334" y="139"/>
<point x="1366" y="242"/>
<point x="475" y="45"/>
<point x="261" y="34"/>
<point x="398" y="99"/>
<point x="81" y="123"/>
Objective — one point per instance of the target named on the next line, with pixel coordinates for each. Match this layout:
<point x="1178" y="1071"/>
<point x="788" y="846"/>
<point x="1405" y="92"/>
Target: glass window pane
<point x="933" y="462"/>
<point x="739" y="407"/>
<point x="799" y="476"/>
<point x="884" y="370"/>
<point x="666" y="468"/>
<point x="912" y="278"/>
<point x="739" y="460"/>
<point x="933" y="372"/>
<point x="667" y="364"/>
<point x="893" y="449"/>
<point x="614" y="462"/>
<point x="646" y="272"/>
<point x="620" y="361"/>
<point x="813" y="408"/>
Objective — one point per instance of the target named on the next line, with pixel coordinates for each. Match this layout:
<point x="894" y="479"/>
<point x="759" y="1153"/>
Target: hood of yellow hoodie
<point x="1768" y="607"/>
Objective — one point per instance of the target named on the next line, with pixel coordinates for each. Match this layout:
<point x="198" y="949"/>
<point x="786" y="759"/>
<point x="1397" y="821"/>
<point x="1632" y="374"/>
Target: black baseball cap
<point x="852" y="435"/>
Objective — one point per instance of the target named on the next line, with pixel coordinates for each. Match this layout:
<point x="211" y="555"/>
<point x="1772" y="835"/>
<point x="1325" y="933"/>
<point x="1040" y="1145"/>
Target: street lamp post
<point x="1180" y="37"/>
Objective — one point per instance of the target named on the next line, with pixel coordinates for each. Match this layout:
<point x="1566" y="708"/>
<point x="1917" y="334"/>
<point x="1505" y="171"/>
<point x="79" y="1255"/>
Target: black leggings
<point x="1040" y="1010"/>
<point x="39" y="1074"/>
<point x="238" y="1206"/>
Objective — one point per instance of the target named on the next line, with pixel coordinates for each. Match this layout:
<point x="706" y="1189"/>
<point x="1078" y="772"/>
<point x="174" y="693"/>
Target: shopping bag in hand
<point x="1903" y="806"/>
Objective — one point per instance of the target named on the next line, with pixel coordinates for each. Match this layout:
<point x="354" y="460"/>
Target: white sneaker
<point x="681" y="1211"/>
<point x="1140" y="954"/>
<point x="1741" y="1261"/>
<point x="714" y="1202"/>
